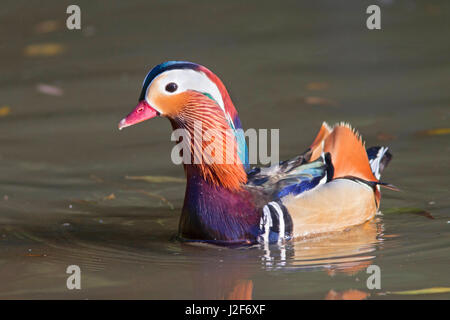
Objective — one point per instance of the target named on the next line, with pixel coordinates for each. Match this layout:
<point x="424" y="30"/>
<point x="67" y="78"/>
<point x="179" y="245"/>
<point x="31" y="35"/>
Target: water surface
<point x="64" y="196"/>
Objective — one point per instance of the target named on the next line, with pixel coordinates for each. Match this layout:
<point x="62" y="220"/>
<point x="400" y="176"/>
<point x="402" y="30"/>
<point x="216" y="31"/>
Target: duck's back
<point x="332" y="186"/>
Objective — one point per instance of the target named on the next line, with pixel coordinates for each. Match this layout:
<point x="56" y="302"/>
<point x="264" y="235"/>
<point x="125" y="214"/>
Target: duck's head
<point x="187" y="92"/>
<point x="170" y="85"/>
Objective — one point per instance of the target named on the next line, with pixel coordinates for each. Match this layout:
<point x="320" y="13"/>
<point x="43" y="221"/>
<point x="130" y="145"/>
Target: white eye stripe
<point x="186" y="79"/>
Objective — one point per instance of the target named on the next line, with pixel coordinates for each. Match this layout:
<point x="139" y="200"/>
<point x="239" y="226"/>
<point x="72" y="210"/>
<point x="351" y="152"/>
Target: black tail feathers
<point x="379" y="158"/>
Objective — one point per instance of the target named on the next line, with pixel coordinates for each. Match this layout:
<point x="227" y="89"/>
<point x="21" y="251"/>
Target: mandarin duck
<point x="333" y="185"/>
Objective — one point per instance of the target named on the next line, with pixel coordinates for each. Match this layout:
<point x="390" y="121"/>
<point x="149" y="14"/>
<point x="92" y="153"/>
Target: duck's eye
<point x="171" y="87"/>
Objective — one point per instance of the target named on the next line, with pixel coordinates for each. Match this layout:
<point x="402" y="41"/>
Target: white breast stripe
<point x="280" y="214"/>
<point x="265" y="224"/>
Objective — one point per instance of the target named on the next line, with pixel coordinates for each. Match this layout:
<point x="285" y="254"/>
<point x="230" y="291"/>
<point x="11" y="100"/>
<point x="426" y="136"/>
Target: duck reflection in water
<point x="230" y="275"/>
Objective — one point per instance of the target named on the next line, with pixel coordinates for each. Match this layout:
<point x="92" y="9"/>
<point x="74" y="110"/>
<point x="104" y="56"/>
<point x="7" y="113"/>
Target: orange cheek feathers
<point x="170" y="105"/>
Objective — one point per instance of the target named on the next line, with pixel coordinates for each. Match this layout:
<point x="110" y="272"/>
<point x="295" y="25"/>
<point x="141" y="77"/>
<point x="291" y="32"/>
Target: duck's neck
<point x="214" y="212"/>
<point x="216" y="206"/>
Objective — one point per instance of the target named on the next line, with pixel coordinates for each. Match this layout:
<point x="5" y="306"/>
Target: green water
<point x="287" y="66"/>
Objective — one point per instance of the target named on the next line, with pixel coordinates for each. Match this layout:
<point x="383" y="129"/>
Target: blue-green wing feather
<point x="289" y="177"/>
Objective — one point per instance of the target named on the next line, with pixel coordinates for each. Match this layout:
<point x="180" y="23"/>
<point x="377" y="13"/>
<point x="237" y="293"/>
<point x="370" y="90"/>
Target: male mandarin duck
<point x="332" y="186"/>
